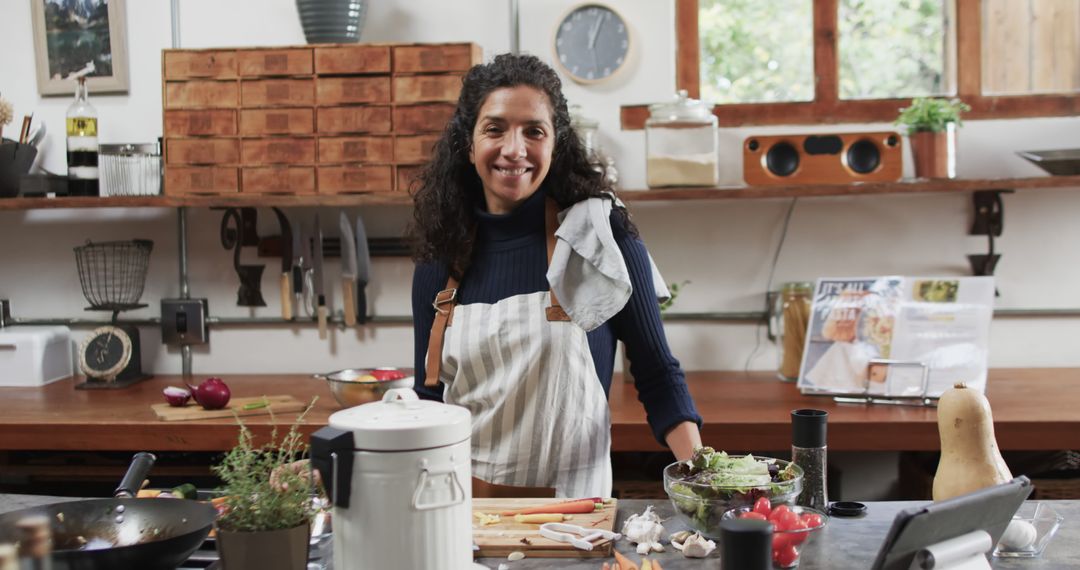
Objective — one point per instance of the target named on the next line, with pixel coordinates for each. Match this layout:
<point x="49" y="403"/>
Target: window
<point x="867" y="58"/>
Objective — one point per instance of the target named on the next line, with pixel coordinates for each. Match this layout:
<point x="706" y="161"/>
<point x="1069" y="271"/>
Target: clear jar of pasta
<point x="793" y="312"/>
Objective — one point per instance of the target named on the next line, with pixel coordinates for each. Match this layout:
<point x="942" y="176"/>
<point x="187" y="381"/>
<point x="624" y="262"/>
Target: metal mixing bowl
<point x="351" y="389"/>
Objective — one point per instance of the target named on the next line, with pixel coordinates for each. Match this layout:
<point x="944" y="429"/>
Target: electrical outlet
<point x="183" y="321"/>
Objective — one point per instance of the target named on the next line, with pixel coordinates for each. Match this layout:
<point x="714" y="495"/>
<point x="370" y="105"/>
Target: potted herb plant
<point x="265" y="521"/>
<point x="931" y="128"/>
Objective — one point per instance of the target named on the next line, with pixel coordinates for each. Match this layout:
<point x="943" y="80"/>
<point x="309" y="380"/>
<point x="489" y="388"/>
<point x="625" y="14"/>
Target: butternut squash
<point x="970" y="459"/>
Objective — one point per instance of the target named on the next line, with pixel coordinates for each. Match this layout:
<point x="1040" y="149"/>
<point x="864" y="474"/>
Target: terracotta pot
<point x="264" y="550"/>
<point x="934" y="153"/>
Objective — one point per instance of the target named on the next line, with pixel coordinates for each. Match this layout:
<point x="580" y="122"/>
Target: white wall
<point x="724" y="248"/>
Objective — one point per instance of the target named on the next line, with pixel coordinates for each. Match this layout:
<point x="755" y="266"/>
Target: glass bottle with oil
<point x="82" y="144"/>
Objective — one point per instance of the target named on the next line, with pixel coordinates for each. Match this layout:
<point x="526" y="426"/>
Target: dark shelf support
<point x="989" y="221"/>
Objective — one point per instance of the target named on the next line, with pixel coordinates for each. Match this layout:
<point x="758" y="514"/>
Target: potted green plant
<point x="931" y="128"/>
<point x="265" y="520"/>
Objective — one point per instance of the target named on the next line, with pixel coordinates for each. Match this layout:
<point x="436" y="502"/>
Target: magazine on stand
<point x="897" y="337"/>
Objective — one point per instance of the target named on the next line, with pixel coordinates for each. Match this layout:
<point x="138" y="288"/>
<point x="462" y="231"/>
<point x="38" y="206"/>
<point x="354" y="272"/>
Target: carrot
<point x="656" y="565"/>
<point x="624" y="562"/>
<point x="577" y="506"/>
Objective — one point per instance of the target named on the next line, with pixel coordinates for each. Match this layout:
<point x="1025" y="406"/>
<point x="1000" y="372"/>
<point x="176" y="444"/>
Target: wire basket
<point x="113" y="273"/>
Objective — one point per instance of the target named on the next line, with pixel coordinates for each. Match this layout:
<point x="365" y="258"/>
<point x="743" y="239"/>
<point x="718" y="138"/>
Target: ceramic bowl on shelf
<point x="1060" y="162"/>
<point x="1030" y="531"/>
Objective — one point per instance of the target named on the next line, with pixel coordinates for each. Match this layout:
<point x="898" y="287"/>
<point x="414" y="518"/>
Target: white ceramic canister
<point x="399" y="474"/>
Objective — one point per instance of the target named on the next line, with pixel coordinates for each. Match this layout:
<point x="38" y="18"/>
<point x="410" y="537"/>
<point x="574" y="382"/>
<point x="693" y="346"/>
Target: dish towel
<point x="587" y="272"/>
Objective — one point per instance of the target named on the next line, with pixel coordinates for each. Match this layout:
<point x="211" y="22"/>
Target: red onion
<point x="176" y="397"/>
<point x="212" y="394"/>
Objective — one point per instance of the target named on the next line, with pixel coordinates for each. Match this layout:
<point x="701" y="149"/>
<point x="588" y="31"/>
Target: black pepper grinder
<point x="808" y="450"/>
<point x="745" y="544"/>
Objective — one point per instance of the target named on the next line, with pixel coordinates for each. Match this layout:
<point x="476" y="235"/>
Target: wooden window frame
<point x="827" y="107"/>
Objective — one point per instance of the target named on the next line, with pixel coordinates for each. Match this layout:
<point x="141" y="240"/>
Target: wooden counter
<point x="1033" y="409"/>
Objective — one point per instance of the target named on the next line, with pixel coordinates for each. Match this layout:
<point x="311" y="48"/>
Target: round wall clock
<point x="106" y="353"/>
<point x="592" y="43"/>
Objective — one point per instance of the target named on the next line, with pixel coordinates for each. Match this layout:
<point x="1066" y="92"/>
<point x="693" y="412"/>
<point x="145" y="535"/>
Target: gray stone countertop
<point x="845" y="543"/>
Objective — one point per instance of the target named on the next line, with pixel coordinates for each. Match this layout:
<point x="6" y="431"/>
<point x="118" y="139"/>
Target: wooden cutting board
<point x="499" y="540"/>
<point x="193" y="411"/>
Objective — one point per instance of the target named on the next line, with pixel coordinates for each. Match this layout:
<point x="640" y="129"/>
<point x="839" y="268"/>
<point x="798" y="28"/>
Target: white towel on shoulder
<point x="587" y="272"/>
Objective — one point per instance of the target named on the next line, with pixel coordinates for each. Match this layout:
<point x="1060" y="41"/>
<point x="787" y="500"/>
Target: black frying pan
<point x="110" y="534"/>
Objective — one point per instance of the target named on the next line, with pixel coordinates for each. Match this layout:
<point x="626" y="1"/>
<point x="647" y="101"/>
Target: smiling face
<point x="511" y="145"/>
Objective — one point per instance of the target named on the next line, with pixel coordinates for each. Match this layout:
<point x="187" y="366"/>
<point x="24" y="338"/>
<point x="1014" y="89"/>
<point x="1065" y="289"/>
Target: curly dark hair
<point x="447" y="191"/>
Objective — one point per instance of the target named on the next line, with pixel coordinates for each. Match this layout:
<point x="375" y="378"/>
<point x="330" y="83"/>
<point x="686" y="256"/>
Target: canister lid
<point x="404" y="422"/>
<point x="682" y="110"/>
<point x="129" y="149"/>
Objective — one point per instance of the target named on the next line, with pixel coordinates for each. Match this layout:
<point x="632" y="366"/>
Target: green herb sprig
<point x="931" y="115"/>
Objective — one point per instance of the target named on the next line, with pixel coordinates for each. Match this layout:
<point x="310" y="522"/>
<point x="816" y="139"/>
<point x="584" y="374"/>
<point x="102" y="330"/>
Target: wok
<point x="122" y="532"/>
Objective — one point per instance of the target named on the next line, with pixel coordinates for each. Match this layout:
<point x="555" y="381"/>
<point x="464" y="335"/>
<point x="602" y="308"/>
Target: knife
<point x="348" y="269"/>
<point x="363" y="272"/>
<point x="300" y="257"/>
<point x="286" y="264"/>
<point x="318" y="286"/>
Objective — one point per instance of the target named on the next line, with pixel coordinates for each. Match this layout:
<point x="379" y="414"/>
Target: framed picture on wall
<point x="80" y="37"/>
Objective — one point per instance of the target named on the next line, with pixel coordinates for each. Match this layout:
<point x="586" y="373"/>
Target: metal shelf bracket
<point x="989" y="221"/>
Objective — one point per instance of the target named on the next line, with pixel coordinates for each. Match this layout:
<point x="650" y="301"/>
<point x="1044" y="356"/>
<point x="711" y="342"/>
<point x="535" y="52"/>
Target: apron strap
<point x="551" y="219"/>
<point x="446" y="300"/>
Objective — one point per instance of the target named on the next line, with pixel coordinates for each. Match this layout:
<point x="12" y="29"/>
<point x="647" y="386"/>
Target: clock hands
<point x="595" y="31"/>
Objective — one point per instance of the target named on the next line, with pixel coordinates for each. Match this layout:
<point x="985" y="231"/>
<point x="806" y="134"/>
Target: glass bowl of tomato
<point x="355" y="386"/>
<point x="793" y="528"/>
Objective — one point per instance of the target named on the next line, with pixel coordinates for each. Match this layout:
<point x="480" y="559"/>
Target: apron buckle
<point x="443" y="297"/>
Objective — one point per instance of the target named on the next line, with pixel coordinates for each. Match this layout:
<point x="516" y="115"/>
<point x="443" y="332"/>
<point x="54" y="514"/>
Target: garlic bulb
<point x="645" y="530"/>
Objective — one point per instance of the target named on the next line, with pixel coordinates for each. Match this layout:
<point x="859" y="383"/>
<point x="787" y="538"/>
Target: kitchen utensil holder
<point x="15" y="161"/>
<point x="113" y="273"/>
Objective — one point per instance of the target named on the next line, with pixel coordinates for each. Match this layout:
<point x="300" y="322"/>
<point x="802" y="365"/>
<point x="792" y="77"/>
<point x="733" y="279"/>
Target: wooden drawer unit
<point x="199" y="94"/>
<point x="341" y="60"/>
<point x="338" y="90"/>
<point x="405" y="177"/>
<point x="201" y="180"/>
<point x="270" y="62"/>
<point x="256" y="122"/>
<point x="279" y="180"/>
<point x="200" y="123"/>
<point x="277" y="92"/>
<point x="336" y="150"/>
<point x="436" y="58"/>
<point x="367" y="119"/>
<point x="425" y="118"/>
<point x="414" y="149"/>
<point x="278" y="150"/>
<point x="347" y="179"/>
<point x="422" y="88"/>
<point x="202" y="151"/>
<point x="217" y="64"/>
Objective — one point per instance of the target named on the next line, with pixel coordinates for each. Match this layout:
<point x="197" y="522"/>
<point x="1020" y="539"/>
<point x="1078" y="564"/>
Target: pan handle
<point x="319" y="376"/>
<point x="136" y="474"/>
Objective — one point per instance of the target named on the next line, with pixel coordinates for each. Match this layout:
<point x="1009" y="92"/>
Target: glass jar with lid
<point x="587" y="129"/>
<point x="681" y="139"/>
<point x="793" y="320"/>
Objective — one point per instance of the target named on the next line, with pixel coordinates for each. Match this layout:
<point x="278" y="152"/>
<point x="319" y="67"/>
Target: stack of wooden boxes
<point x="327" y="119"/>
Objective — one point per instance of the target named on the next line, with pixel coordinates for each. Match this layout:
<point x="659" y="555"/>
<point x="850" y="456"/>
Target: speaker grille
<point x="863" y="156"/>
<point x="782" y="159"/>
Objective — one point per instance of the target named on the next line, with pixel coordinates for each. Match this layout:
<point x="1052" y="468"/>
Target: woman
<point x="520" y="325"/>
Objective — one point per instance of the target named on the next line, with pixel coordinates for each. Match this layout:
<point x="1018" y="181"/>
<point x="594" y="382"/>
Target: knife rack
<point x="270" y="246"/>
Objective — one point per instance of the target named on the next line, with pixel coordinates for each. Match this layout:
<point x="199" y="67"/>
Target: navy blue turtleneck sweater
<point x="510" y="258"/>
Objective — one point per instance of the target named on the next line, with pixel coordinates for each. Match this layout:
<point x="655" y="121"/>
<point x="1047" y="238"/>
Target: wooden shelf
<point x="911" y="186"/>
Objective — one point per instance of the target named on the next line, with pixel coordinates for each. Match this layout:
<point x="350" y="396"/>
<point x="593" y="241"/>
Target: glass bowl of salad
<point x="710" y="483"/>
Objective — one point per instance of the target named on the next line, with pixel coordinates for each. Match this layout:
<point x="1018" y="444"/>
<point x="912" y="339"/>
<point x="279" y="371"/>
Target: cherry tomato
<point x="763" y="506"/>
<point x="786" y="556"/>
<point x="812" y="520"/>
<point x="780" y="540"/>
<point x="798" y="538"/>
<point x="753" y="515"/>
<point x="785" y="520"/>
<point x="777" y="511"/>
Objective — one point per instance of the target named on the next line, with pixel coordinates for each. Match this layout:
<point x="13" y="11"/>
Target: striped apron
<point x="525" y="371"/>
